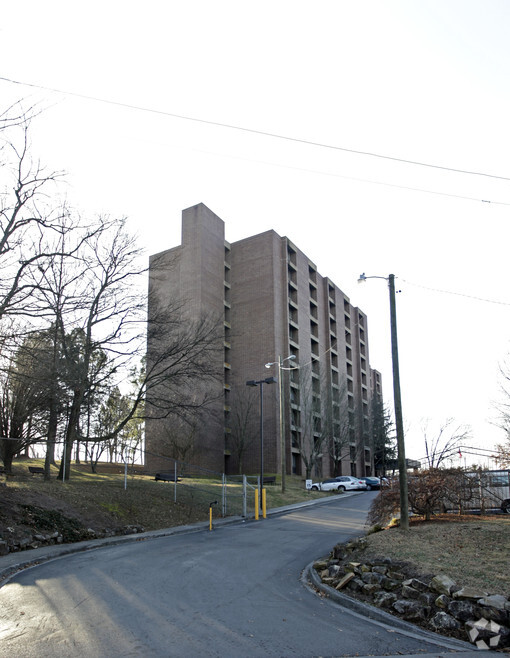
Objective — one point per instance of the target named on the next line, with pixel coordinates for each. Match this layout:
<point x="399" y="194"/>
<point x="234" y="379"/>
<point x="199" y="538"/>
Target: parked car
<point x="372" y="483"/>
<point x="341" y="483"/>
<point x="349" y="483"/>
<point x="326" y="485"/>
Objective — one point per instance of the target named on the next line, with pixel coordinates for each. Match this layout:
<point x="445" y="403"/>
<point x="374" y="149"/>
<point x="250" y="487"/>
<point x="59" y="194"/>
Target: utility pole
<point x="282" y="424"/>
<point x="402" y="466"/>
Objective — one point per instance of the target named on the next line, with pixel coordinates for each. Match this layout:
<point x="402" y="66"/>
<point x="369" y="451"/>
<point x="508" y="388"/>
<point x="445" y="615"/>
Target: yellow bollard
<point x="256" y="504"/>
<point x="264" y="503"/>
<point x="215" y="502"/>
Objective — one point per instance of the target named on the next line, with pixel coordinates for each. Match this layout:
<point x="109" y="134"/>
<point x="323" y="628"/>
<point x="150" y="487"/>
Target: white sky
<point x="421" y="81"/>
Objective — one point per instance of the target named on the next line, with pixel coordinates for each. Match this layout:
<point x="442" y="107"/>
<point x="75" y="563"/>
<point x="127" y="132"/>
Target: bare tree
<point x="502" y="455"/>
<point x="26" y="218"/>
<point x="242" y="429"/>
<point x="443" y="441"/>
<point x="311" y="441"/>
<point x="337" y="425"/>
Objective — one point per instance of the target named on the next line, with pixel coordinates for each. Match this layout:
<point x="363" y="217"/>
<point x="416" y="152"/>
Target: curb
<point x="311" y="578"/>
<point x="12" y="563"/>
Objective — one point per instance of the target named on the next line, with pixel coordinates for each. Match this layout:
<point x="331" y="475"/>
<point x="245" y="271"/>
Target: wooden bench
<point x="269" y="479"/>
<point x="166" y="477"/>
<point x="39" y="470"/>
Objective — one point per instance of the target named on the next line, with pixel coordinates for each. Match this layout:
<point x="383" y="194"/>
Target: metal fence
<point x="231" y="495"/>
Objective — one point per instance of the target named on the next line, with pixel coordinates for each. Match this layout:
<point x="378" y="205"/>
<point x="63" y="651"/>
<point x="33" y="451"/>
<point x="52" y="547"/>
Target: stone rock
<point x="442" y="584"/>
<point x="324" y="574"/>
<point x="371" y="588"/>
<point x="464" y="610"/>
<point x="409" y="592"/>
<point x="495" y="601"/>
<point x="339" y="552"/>
<point x="418" y="585"/>
<point x="411" y="610"/>
<point x="384" y="599"/>
<point x="467" y="593"/>
<point x="427" y="598"/>
<point x="371" y="578"/>
<point x="380" y="569"/>
<point x="395" y="575"/>
<point x="442" y="601"/>
<point x="389" y="584"/>
<point x="356" y="585"/>
<point x="320" y="565"/>
<point x="499" y="616"/>
<point x="504" y="632"/>
<point x="352" y="566"/>
<point x="334" y="571"/>
<point x="442" y="621"/>
<point x="345" y="580"/>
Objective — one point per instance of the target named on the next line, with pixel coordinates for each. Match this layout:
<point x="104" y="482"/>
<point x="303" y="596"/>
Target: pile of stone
<point x="434" y="602"/>
<point x="12" y="543"/>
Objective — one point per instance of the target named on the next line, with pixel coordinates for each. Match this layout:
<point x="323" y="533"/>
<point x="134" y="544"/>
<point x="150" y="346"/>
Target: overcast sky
<point x="422" y="82"/>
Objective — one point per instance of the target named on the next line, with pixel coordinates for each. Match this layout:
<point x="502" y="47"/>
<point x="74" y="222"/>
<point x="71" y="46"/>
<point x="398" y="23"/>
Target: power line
<point x="458" y="294"/>
<point x="256" y="132"/>
<point x="363" y="180"/>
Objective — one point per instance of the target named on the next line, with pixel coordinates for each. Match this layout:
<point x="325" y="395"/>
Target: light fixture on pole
<point x="261" y="382"/>
<point x="283" y="463"/>
<point x="402" y="465"/>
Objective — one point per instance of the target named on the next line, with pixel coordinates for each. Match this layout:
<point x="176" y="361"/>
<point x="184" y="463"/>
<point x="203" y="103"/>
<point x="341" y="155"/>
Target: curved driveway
<point x="234" y="592"/>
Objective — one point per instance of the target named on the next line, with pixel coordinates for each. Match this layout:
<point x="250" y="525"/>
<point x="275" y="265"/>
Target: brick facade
<point x="272" y="303"/>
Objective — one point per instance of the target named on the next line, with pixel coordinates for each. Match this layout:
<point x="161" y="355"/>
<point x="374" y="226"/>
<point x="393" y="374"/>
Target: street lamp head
<point x="270" y="380"/>
<point x="362" y="278"/>
<point x="252" y="382"/>
<point x="277" y="363"/>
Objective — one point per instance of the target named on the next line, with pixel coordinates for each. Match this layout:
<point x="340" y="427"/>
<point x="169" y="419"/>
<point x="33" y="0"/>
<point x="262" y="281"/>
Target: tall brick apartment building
<point x="272" y="303"/>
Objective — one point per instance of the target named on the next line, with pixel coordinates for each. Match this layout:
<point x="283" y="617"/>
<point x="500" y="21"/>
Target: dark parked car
<point x="372" y="483"/>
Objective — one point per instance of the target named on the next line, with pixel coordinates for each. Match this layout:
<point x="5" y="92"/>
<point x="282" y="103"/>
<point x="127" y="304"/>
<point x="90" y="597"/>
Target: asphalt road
<point x="233" y="592"/>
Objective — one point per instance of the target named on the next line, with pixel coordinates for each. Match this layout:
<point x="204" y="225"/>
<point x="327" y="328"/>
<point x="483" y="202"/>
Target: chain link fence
<point x="192" y="485"/>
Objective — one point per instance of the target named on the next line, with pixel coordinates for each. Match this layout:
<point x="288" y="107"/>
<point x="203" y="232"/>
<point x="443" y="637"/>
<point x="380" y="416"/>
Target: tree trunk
<point x="71" y="436"/>
<point x="52" y="435"/>
<point x="7" y="461"/>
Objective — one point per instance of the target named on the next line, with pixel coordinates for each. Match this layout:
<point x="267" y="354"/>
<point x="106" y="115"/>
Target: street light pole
<point x="260" y="383"/>
<point x="397" y="401"/>
<point x="283" y="455"/>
